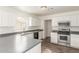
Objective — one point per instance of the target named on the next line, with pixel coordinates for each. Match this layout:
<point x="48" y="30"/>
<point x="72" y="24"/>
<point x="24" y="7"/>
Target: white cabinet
<point x="75" y="40"/>
<point x="41" y="35"/>
<point x="7" y="19"/>
<point x="77" y="20"/>
<point x="58" y="19"/>
<point x="53" y="37"/>
<point x="35" y="49"/>
<point x="23" y="41"/>
<point x="33" y="21"/>
<point x="30" y="41"/>
<point x="74" y="20"/>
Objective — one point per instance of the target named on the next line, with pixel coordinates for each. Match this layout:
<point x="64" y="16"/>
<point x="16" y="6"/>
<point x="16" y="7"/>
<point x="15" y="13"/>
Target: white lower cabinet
<point x="75" y="40"/>
<point x="40" y="35"/>
<point x="35" y="49"/>
<point x="53" y="38"/>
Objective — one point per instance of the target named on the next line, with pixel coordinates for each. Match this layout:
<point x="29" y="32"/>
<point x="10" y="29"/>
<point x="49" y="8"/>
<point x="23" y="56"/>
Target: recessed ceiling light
<point x="44" y="7"/>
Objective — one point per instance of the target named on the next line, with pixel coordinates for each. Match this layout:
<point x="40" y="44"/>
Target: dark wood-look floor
<point x="48" y="47"/>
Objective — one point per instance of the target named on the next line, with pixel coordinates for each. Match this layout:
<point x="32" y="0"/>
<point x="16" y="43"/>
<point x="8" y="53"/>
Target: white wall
<point x="73" y="16"/>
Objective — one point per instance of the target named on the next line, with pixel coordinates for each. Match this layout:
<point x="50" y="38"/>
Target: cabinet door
<point x="53" y="38"/>
<point x="7" y="19"/>
<point x="11" y="19"/>
<point x="41" y="35"/>
<point x="73" y="20"/>
<point x="33" y="21"/>
<point x="74" y="40"/>
<point x="77" y="20"/>
<point x="23" y="41"/>
<point x="3" y="19"/>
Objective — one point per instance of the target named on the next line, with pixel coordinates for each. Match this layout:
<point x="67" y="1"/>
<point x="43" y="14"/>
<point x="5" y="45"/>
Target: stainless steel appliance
<point x="64" y="33"/>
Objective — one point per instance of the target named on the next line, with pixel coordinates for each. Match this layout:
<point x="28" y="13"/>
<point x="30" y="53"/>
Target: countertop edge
<point x="71" y="32"/>
<point x="12" y="33"/>
<point x="31" y="47"/>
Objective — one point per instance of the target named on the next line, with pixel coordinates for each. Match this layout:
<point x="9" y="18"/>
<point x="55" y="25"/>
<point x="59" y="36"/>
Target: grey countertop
<point x="54" y="30"/>
<point x="72" y="32"/>
<point x="19" y="32"/>
<point x="73" y="29"/>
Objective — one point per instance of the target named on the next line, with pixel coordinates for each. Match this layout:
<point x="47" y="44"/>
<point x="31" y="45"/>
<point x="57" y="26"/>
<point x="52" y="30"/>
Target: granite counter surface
<point x="19" y="32"/>
<point x="71" y="32"/>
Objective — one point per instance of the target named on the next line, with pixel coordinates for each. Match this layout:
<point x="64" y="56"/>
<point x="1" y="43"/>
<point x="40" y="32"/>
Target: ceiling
<point x="37" y="10"/>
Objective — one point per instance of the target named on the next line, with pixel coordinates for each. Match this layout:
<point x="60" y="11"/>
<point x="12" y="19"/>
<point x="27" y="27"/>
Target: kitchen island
<point x="18" y="42"/>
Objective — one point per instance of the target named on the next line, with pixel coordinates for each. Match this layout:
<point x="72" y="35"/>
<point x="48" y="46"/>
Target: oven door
<point x="64" y="38"/>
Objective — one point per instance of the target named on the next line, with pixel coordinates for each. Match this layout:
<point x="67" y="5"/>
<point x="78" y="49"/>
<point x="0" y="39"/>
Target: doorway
<point x="47" y="28"/>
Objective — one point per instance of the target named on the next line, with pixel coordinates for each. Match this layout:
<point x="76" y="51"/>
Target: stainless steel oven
<point x="64" y="33"/>
<point x="64" y="39"/>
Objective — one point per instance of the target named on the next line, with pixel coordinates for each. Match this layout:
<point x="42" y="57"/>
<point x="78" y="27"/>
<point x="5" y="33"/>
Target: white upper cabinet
<point x="73" y="19"/>
<point x="58" y="19"/>
<point x="7" y="19"/>
<point x="33" y="21"/>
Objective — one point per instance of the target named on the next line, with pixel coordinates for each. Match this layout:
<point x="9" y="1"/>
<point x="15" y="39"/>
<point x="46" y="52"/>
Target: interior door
<point x="48" y="28"/>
